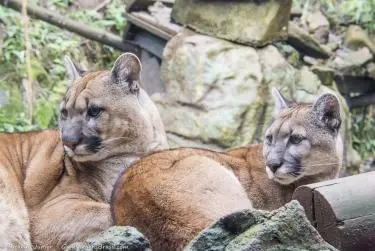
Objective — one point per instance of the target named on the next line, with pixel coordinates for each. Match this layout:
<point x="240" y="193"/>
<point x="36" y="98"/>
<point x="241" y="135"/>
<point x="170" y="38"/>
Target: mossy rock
<point x="284" y="229"/>
<point x="255" y="23"/>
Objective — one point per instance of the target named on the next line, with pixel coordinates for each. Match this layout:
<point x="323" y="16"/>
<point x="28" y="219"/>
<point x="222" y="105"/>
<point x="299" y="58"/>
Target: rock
<point x="316" y="20"/>
<point x="321" y="35"/>
<point x="230" y="19"/>
<point x="371" y="70"/>
<point x="349" y="61"/>
<point x="310" y="60"/>
<point x="150" y="73"/>
<point x="292" y="55"/>
<point x="305" y="43"/>
<point x="318" y="25"/>
<point x="208" y="79"/>
<point x="356" y="37"/>
<point x="334" y="41"/>
<point x="325" y="74"/>
<point x="202" y="76"/>
<point x="89" y="4"/>
<point x="335" y="38"/>
<point x="368" y="165"/>
<point x="114" y="238"/>
<point x="286" y="228"/>
<point x="333" y="46"/>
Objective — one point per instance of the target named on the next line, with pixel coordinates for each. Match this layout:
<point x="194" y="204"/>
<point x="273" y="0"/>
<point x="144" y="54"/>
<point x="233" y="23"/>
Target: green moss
<point x="246" y="236"/>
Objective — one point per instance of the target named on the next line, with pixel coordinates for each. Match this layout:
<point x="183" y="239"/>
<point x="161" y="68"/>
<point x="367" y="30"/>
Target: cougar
<point x="55" y="185"/>
<point x="171" y="196"/>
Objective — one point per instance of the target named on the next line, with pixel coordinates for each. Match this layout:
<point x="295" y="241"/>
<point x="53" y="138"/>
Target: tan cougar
<point x="171" y="196"/>
<point x="53" y="199"/>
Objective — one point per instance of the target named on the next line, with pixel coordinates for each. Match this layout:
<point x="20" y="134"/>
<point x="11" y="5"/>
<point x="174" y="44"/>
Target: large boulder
<point x="284" y="229"/>
<point x="218" y="93"/>
<point x="254" y="23"/>
<point x="115" y="238"/>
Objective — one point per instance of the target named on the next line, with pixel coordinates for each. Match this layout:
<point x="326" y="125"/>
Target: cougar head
<point x="303" y="141"/>
<point x="106" y="113"/>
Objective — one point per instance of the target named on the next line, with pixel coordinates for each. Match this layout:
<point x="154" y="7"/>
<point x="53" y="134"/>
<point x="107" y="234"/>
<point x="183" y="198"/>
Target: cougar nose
<point x="274" y="165"/>
<point x="70" y="142"/>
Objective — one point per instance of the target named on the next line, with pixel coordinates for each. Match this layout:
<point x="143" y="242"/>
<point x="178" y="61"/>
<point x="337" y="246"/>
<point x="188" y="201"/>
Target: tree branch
<point x="84" y="30"/>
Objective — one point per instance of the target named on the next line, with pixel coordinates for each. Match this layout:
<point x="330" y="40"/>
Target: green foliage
<point x="360" y="12"/>
<point x="112" y="20"/>
<point x="49" y="45"/>
<point x="363" y="128"/>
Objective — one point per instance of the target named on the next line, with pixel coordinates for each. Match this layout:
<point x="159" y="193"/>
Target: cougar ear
<point x="280" y="102"/>
<point x="327" y="109"/>
<point x="73" y="71"/>
<point x="126" y="71"/>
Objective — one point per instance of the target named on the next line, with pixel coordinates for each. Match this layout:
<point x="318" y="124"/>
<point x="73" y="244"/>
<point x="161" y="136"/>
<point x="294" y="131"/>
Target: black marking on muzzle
<point x="93" y="143"/>
<point x="296" y="164"/>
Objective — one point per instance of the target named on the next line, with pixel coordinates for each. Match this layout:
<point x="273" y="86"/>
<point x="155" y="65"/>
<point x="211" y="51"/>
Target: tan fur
<point x="51" y="199"/>
<point x="171" y="196"/>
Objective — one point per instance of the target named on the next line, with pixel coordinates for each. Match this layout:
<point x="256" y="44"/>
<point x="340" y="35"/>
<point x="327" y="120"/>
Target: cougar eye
<point x="94" y="111"/>
<point x="269" y="139"/>
<point x="296" y="139"/>
<point x="63" y="113"/>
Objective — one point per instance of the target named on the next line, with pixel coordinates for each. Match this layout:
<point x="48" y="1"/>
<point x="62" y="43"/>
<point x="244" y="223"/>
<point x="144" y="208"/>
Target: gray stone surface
<point x="254" y="23"/>
<point x="284" y="229"/>
<point x="89" y="4"/>
<point x="356" y="37"/>
<point x="218" y="93"/>
<point x="371" y="70"/>
<point x="316" y="20"/>
<point x="317" y="25"/>
<point x="352" y="62"/>
<point x="325" y="74"/>
<point x="305" y="43"/>
<point x="114" y="238"/>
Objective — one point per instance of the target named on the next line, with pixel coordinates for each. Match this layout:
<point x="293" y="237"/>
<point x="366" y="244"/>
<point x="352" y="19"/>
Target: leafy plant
<point x="361" y="12"/>
<point x="363" y="128"/>
<point x="49" y="45"/>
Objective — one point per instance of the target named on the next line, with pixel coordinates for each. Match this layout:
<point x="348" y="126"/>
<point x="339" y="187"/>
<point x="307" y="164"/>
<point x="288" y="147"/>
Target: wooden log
<point x="166" y="26"/>
<point x="342" y="210"/>
<point x="147" y="26"/>
<point x="354" y="84"/>
<point x="361" y="100"/>
<point x="73" y="26"/>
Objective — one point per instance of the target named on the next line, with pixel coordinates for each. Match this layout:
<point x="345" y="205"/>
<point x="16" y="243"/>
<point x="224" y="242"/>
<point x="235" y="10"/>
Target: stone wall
<point x="218" y="92"/>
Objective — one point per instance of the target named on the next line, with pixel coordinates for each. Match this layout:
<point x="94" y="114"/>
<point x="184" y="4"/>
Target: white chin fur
<point x="269" y="173"/>
<point x="68" y="151"/>
<point x="282" y="176"/>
